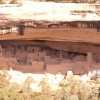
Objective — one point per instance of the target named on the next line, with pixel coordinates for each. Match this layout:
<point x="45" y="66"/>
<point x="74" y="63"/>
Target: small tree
<point x="45" y="86"/>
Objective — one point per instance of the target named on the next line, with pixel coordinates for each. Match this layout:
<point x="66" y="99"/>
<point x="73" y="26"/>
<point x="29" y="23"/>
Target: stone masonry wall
<point x="39" y="59"/>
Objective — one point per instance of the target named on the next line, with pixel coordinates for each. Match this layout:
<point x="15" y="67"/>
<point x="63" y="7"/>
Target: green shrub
<point x="26" y="85"/>
<point x="71" y="88"/>
<point x="42" y="96"/>
<point x="45" y="88"/>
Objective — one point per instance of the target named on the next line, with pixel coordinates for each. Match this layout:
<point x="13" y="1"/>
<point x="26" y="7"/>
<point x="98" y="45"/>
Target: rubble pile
<point x="40" y="59"/>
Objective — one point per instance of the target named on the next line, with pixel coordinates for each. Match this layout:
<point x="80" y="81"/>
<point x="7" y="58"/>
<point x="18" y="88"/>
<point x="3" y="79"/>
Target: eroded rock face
<point x="37" y="59"/>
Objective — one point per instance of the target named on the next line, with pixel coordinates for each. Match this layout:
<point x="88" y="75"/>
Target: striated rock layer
<point x="50" y="21"/>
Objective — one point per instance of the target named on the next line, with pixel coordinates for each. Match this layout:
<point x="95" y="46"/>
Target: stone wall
<point x="42" y="59"/>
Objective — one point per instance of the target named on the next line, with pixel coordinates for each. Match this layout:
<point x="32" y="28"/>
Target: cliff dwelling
<point x="50" y="50"/>
<point x="45" y="56"/>
<point x="64" y="37"/>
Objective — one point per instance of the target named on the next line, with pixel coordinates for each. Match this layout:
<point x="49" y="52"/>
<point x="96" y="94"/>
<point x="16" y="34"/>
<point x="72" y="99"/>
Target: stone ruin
<point x="39" y="59"/>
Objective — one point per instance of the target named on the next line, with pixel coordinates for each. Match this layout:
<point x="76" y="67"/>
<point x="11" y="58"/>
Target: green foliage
<point x="41" y="96"/>
<point x="6" y="92"/>
<point x="26" y="85"/>
<point x="74" y="97"/>
<point x="3" y="81"/>
<point x="71" y="88"/>
<point x="74" y="89"/>
<point x="9" y="95"/>
<point x="44" y="86"/>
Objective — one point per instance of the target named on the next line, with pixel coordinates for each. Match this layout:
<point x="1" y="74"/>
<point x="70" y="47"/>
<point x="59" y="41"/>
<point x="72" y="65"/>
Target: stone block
<point x="37" y="66"/>
<point x="16" y="49"/>
<point x="46" y="58"/>
<point x="78" y="70"/>
<point x="79" y="58"/>
<point x="1" y="53"/>
<point x="70" y="56"/>
<point x="22" y="49"/>
<point x="24" y="68"/>
<point x="95" y="66"/>
<point x="11" y="65"/>
<point x="53" y="68"/>
<point x="89" y="57"/>
<point x="52" y="52"/>
<point x="21" y="56"/>
<point x="64" y="54"/>
<point x="10" y="49"/>
<point x="38" y="56"/>
<point x="97" y="57"/>
<point x="31" y="55"/>
<point x="9" y="54"/>
<point x="33" y="49"/>
<point x="3" y="65"/>
<point x="53" y="57"/>
<point x="1" y="48"/>
<point x="60" y="55"/>
<point x="10" y="59"/>
<point x="66" y="61"/>
<point x="68" y="66"/>
<point x="41" y="54"/>
<point x="29" y="61"/>
<point x="85" y="65"/>
<point x="57" y="53"/>
<point x="46" y="50"/>
<point x="52" y="61"/>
